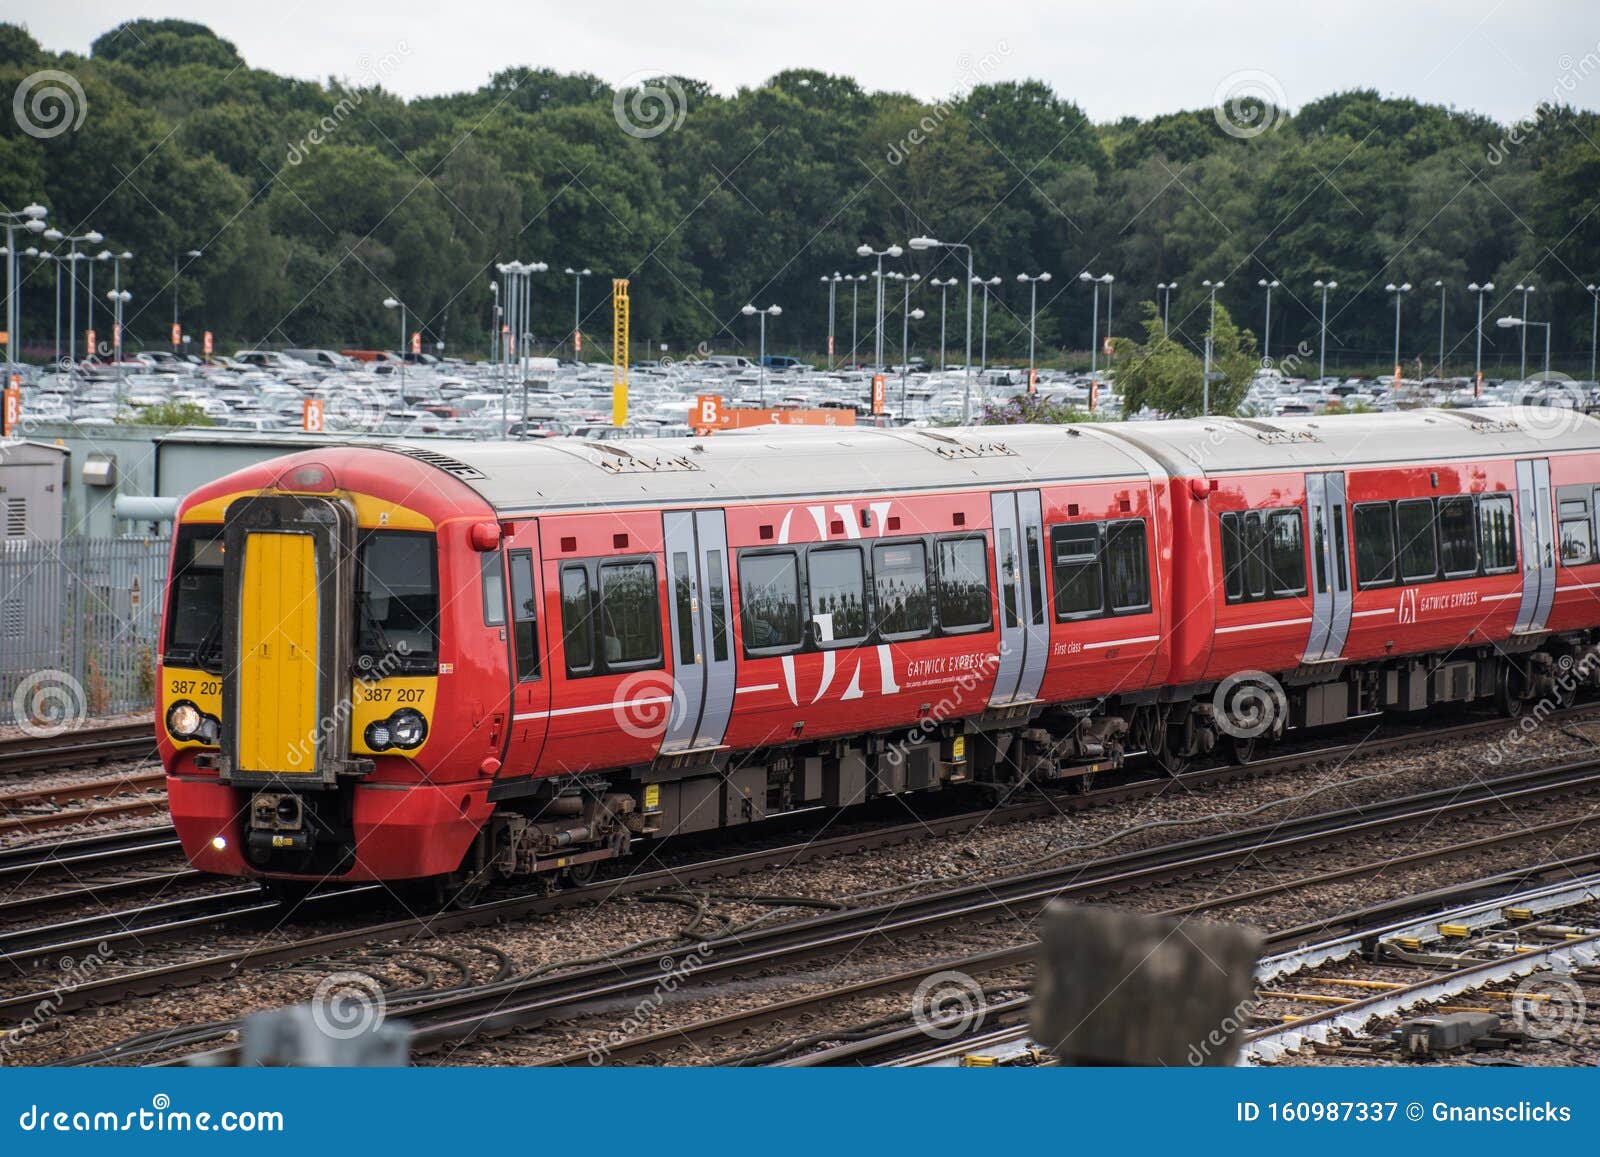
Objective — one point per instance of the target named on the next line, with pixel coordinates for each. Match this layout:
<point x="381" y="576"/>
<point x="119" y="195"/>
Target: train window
<point x="1255" y="556"/>
<point x="1232" y="558"/>
<point x="1577" y="547"/>
<point x="1077" y="570"/>
<point x="1005" y="554"/>
<point x="1286" y="553"/>
<point x="576" y="620"/>
<point x="1319" y="546"/>
<point x="1458" y="538"/>
<point x="717" y="603"/>
<point x="194" y="628"/>
<point x="630" y="614"/>
<point x="1340" y="566"/>
<point x="838" y="586"/>
<point x="1374" y="544"/>
<point x="900" y="585"/>
<point x="491" y="568"/>
<point x="963" y="584"/>
<point x="683" y="596"/>
<point x="1030" y="562"/>
<point x="769" y="600"/>
<point x="1419" y="553"/>
<point x="1127" y="566"/>
<point x="524" y="611"/>
<point x="1497" y="534"/>
<point x="397" y="602"/>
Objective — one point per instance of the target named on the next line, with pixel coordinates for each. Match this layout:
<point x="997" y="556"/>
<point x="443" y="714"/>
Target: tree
<point x="1164" y="376"/>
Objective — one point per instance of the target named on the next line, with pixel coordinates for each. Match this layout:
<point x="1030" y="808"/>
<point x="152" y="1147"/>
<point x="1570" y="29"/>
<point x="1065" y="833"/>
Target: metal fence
<point x="79" y="623"/>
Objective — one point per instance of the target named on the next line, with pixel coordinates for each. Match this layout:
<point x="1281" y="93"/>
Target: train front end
<point x="302" y="655"/>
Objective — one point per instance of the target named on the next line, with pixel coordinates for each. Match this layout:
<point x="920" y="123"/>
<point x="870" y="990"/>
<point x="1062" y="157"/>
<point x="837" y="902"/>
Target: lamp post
<point x="396" y="303"/>
<point x="57" y="259"/>
<point x="1109" y="282"/>
<point x="1094" y="323"/>
<point x="770" y="311"/>
<point x="944" y="291"/>
<point x="1032" y="282"/>
<point x="1438" y="370"/>
<point x="118" y="298"/>
<point x="1266" y="329"/>
<point x="1477" y="361"/>
<point x="966" y="385"/>
<point x="1211" y="329"/>
<point x="865" y="250"/>
<point x="833" y="291"/>
<point x="1166" y="287"/>
<point x="177" y="269"/>
<point x="1594" y="324"/>
<point x="855" y="314"/>
<point x="73" y="257"/>
<point x="103" y="255"/>
<point x="32" y="219"/>
<point x="1520" y="323"/>
<point x="577" y="276"/>
<point x="988" y="284"/>
<point x="1525" y="290"/>
<point x="494" y="324"/>
<point x="1322" y="341"/>
<point x="1399" y="292"/>
<point x="905" y="344"/>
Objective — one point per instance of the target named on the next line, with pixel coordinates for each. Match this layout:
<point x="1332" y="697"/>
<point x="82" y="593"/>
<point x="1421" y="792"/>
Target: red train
<point x="392" y="662"/>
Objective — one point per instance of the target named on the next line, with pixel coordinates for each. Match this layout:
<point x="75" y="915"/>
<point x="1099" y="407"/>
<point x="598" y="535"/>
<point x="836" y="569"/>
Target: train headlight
<point x="184" y="720"/>
<point x="378" y="736"/>
<point x="408" y="728"/>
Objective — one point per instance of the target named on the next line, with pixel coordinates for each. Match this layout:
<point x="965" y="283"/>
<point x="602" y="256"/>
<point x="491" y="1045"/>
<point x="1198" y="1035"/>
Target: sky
<point x="1124" y="58"/>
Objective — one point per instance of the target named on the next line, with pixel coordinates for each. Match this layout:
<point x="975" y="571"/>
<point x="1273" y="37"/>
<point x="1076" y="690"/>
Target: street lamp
<point x="1438" y="370"/>
<point x="855" y="314"/>
<point x="1094" y="326"/>
<point x="1322" y="341"/>
<point x="865" y="250"/>
<point x="396" y="303"/>
<point x="73" y="257"/>
<point x="1166" y="287"/>
<point x="905" y="347"/>
<point x="1266" y="331"/>
<point x="1211" y="329"/>
<point x="191" y="254"/>
<point x="1523" y="324"/>
<point x="988" y="284"/>
<point x="58" y="259"/>
<point x="31" y="218"/>
<point x="1525" y="290"/>
<point x="118" y="298"/>
<point x="1032" y="282"/>
<point x="1594" y="324"/>
<point x="770" y="311"/>
<point x="966" y="385"/>
<point x="577" y="276"/>
<point x="1399" y="292"/>
<point x="1477" y="361"/>
<point x="494" y="324"/>
<point x="944" y="290"/>
<point x="833" y="291"/>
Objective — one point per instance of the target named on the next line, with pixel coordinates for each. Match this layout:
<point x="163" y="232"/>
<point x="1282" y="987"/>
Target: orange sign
<point x="177" y="334"/>
<point x="1033" y="382"/>
<point x="116" y="339"/>
<point x="312" y="420"/>
<point x="12" y="412"/>
<point x="577" y="341"/>
<point x="205" y="343"/>
<point x="5" y="337"/>
<point x="830" y="345"/>
<point x="879" y="393"/>
<point x="88" y="342"/>
<point x="1477" y="386"/>
<point x="1094" y="396"/>
<point x="743" y="419"/>
<point x="416" y="342"/>
<point x="1106" y="347"/>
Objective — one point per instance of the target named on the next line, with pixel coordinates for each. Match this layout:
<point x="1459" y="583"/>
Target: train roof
<point x="762" y="465"/>
<point x="1350" y="441"/>
<point x="556" y="473"/>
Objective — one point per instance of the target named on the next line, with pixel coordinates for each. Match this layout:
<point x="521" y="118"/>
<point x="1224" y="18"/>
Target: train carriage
<point x="396" y="662"/>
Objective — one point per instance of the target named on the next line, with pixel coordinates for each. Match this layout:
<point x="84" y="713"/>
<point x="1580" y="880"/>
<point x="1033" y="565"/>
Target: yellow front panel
<point x="278" y="674"/>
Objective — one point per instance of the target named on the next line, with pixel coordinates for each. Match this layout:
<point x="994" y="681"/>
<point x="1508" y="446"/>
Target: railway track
<point x="78" y="748"/>
<point x="488" y="1010"/>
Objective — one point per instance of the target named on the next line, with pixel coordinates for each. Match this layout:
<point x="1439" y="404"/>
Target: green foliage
<point x="168" y="414"/>
<point x="315" y="201"/>
<point x="1023" y="409"/>
<point x="1168" y="377"/>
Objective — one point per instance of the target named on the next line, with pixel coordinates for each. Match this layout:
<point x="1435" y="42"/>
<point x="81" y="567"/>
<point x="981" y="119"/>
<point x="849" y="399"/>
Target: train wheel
<point x="1509" y="692"/>
<point x="1157" y="739"/>
<point x="580" y="874"/>
<point x="1241" y="749"/>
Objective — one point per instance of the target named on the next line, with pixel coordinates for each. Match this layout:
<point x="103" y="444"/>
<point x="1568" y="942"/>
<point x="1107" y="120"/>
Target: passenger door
<point x="525" y="636"/>
<point x="703" y="662"/>
<point x="1330" y="567"/>
<point x="1538" y="544"/>
<point x="1019" y="557"/>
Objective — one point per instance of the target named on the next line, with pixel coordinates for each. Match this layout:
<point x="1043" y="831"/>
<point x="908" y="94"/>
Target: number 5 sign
<point x="313" y="421"/>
